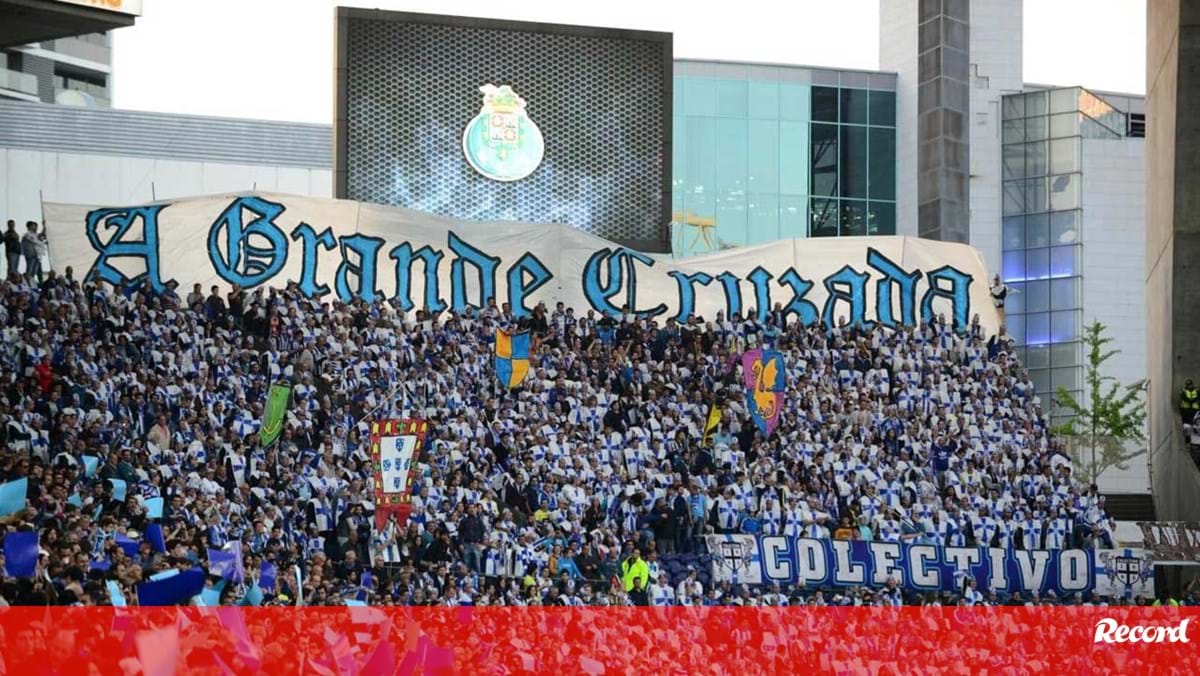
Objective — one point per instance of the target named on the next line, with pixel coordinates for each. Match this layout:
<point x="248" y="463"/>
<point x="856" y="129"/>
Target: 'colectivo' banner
<point x="765" y="559"/>
<point x="353" y="249"/>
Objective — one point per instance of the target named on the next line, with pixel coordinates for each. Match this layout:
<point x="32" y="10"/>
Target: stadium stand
<point x="540" y="495"/>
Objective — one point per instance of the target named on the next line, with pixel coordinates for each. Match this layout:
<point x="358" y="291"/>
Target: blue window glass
<point x="793" y="216"/>
<point x="853" y="161"/>
<point x="1064" y="227"/>
<point x="731" y="98"/>
<point x="883" y="164"/>
<point x="764" y="217"/>
<point x="1037" y="357"/>
<point x="1012" y="266"/>
<point x="1037" y="264"/>
<point x="1037" y="296"/>
<point x="764" y="100"/>
<point x="700" y="157"/>
<point x="732" y="149"/>
<point x="793" y="158"/>
<point x="1037" y="328"/>
<point x="763" y="165"/>
<point x="854" y="218"/>
<point x="1063" y="261"/>
<point x="854" y="106"/>
<point x="1064" y="326"/>
<point x="824" y="104"/>
<point x="1037" y="230"/>
<point x="1015" y="326"/>
<point x="824" y="167"/>
<point x="795" y="102"/>
<point x="1064" y="293"/>
<point x="700" y="96"/>
<point x="1014" y="233"/>
<point x="1014" y="303"/>
<point x="732" y="221"/>
<point x="824" y="218"/>
<point x="881" y="218"/>
<point x="883" y="108"/>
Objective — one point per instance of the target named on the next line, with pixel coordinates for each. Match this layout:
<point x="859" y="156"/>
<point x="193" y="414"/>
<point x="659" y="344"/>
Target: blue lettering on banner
<point x="687" y="291"/>
<point x="247" y="247"/>
<point x="241" y="261"/>
<point x="367" y="249"/>
<point x="116" y="246"/>
<point x="519" y="289"/>
<point x="847" y="285"/>
<point x="906" y="282"/>
<point x="431" y="259"/>
<point x="798" y="305"/>
<point x="308" y="263"/>
<point x="917" y="567"/>
<point x="957" y="294"/>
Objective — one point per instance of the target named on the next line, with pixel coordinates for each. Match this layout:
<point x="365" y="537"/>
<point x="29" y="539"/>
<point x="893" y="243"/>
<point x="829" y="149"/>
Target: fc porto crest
<point x="501" y="142"/>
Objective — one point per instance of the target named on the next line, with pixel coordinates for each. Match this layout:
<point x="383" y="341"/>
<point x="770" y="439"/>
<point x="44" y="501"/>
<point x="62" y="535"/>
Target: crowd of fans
<point x="594" y="482"/>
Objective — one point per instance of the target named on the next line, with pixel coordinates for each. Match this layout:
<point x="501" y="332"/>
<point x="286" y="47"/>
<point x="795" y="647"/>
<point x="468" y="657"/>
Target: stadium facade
<point x="946" y="141"/>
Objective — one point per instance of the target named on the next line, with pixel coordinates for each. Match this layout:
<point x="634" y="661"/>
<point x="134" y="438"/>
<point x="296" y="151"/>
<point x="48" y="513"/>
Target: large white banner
<point x="351" y="249"/>
<point x="755" y="559"/>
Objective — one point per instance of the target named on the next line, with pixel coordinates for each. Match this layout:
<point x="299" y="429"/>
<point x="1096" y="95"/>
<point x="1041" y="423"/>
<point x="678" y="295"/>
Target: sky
<point x="273" y="59"/>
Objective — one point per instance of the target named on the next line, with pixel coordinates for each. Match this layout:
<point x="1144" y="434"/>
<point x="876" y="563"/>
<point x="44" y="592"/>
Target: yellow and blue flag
<point x="512" y="357"/>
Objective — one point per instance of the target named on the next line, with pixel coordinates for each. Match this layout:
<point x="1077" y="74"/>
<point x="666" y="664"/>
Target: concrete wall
<point x="898" y="53"/>
<point x="996" y="69"/>
<point x="1172" y="244"/>
<point x="1114" y="236"/>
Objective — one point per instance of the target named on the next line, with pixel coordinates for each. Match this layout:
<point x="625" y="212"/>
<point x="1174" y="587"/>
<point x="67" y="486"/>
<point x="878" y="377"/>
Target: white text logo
<point x="1109" y="630"/>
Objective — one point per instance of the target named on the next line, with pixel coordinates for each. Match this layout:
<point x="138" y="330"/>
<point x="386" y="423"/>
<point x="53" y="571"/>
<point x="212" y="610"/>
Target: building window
<point x="1040" y="231"/>
<point x="766" y="159"/>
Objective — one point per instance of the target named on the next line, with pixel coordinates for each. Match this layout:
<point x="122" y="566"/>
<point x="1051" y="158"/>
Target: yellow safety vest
<point x="1191" y="399"/>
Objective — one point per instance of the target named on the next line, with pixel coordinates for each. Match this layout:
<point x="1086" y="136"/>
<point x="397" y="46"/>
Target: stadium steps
<point x="1127" y="507"/>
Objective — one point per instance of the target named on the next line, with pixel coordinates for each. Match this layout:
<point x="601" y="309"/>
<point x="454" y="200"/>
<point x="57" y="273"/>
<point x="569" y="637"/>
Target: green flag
<point x="277" y="405"/>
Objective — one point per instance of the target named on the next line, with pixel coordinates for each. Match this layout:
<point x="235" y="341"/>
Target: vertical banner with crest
<point x="396" y="447"/>
<point x="763" y="373"/>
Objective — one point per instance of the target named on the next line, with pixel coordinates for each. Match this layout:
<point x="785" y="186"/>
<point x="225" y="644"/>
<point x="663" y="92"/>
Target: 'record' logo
<point x="1109" y="630"/>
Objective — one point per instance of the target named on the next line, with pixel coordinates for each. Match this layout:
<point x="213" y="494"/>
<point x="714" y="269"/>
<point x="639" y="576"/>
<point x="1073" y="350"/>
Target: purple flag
<point x="764" y="377"/>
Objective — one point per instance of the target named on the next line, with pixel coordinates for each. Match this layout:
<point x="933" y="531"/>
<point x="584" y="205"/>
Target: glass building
<point x="769" y="152"/>
<point x="1042" y="173"/>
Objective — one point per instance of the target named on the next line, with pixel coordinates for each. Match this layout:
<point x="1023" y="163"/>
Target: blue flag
<point x="253" y="596"/>
<point x="21" y="553"/>
<point x="114" y="593"/>
<point x="170" y="572"/>
<point x="266" y="576"/>
<point x="128" y="544"/>
<point x="154" y="535"/>
<point x="90" y="464"/>
<point x="171" y="591"/>
<point x="211" y="596"/>
<point x="227" y="564"/>
<point x="119" y="489"/>
<point x="154" y="508"/>
<point x="75" y="500"/>
<point x="12" y="496"/>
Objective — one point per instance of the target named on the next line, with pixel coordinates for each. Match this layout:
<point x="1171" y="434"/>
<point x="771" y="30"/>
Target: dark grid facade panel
<point x="411" y="89"/>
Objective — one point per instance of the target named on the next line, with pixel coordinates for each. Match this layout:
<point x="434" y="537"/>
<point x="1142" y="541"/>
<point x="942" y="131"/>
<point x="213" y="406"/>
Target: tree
<point x="1114" y="415"/>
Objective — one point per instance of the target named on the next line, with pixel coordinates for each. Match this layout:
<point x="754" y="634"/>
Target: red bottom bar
<point x="719" y="640"/>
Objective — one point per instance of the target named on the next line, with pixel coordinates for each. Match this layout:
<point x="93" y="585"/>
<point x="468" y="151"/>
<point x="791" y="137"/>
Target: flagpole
<point x="390" y="395"/>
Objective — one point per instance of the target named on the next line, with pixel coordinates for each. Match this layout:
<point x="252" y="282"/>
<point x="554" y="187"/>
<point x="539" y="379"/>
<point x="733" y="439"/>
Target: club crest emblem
<point x="501" y="142"/>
